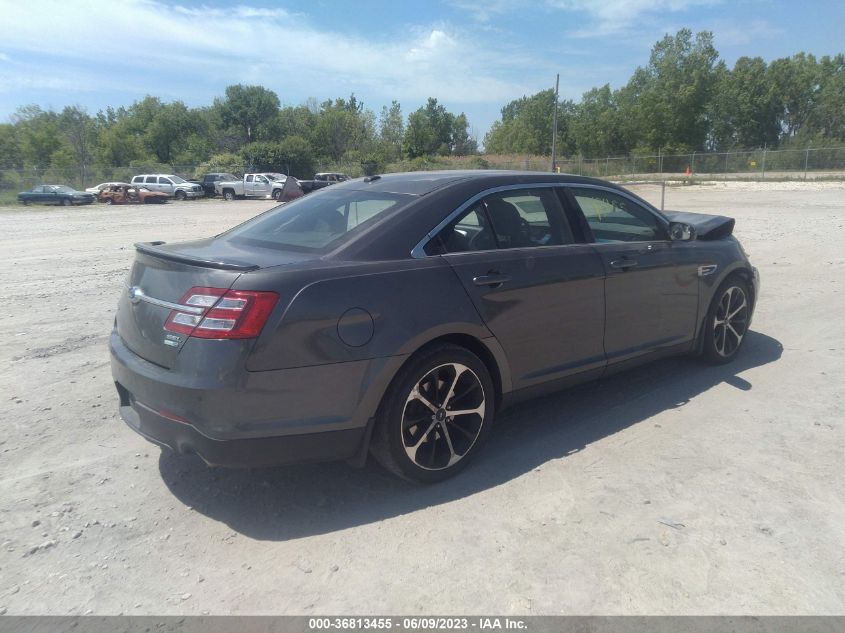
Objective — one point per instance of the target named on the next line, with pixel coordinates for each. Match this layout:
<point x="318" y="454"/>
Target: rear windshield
<point x="318" y="220"/>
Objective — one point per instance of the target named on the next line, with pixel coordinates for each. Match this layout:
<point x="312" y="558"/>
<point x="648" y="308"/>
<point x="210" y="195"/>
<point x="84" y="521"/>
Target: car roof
<point x="423" y="182"/>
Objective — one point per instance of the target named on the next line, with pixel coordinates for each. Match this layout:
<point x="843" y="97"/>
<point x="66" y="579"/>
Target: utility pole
<point x="554" y="125"/>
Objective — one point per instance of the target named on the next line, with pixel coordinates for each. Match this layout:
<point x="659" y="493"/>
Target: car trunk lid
<point x="163" y="273"/>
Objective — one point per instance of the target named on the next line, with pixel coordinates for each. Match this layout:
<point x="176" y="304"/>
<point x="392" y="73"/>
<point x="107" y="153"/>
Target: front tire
<point x="436" y="415"/>
<point x="180" y="195"/>
<point x="727" y="321"/>
<point x="277" y="194"/>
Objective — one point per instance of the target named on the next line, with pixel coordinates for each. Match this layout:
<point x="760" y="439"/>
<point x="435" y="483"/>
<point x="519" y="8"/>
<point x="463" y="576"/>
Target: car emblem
<point x="172" y="340"/>
<point x="134" y="293"/>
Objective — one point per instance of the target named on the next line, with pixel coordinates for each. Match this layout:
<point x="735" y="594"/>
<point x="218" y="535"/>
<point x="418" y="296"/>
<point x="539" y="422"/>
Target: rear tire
<point x="726" y="324"/>
<point x="109" y="201"/>
<point x="66" y="202"/>
<point x="229" y="195"/>
<point x="417" y="435"/>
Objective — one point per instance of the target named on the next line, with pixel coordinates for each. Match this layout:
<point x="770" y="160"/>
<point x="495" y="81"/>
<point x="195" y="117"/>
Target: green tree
<point x="462" y="142"/>
<point x="526" y="126"/>
<point x="79" y="132"/>
<point x="168" y="131"/>
<point x="828" y="117"/>
<point x="745" y="106"/>
<point x="343" y="126"/>
<point x="597" y="124"/>
<point x="672" y="93"/>
<point x="247" y="108"/>
<point x="391" y="130"/>
<point x="11" y="156"/>
<point x="230" y="163"/>
<point x="795" y="82"/>
<point x="293" y="156"/>
<point x="429" y="131"/>
<point x="39" y="135"/>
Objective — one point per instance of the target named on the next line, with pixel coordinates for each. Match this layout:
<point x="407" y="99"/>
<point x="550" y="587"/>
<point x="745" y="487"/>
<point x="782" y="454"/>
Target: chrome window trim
<point x="418" y="252"/>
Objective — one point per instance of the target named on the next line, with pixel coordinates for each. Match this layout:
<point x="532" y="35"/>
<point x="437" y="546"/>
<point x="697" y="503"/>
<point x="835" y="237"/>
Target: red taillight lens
<point x="220" y="313"/>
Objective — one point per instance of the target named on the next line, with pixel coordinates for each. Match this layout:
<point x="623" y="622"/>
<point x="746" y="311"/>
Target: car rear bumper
<point x="183" y="438"/>
<point x="247" y="419"/>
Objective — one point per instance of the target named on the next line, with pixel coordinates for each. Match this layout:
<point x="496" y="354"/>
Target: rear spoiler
<point x="152" y="248"/>
<point x="707" y="227"/>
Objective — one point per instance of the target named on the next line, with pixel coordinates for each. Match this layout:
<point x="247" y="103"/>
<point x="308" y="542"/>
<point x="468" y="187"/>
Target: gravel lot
<point x="675" y="488"/>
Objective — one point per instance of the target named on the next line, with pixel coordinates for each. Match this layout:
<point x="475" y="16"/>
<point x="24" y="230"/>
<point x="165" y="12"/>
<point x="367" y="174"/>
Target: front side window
<point x="317" y="221"/>
<point x="522" y="218"/>
<point x="164" y="181"/>
<point x="615" y="218"/>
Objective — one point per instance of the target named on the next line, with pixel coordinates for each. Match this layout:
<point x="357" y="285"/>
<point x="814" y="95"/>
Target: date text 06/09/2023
<point x="417" y="623"/>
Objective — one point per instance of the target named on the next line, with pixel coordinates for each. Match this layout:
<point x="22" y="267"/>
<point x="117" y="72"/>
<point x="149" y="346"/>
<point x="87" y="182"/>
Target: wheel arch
<point x="741" y="270"/>
<point x="489" y="352"/>
<point x="494" y="361"/>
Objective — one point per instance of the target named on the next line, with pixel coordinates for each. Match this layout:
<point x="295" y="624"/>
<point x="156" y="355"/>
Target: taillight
<point x="221" y="313"/>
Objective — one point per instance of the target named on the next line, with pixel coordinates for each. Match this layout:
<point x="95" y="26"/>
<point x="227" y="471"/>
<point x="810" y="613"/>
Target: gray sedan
<point x="55" y="194"/>
<point x="395" y="315"/>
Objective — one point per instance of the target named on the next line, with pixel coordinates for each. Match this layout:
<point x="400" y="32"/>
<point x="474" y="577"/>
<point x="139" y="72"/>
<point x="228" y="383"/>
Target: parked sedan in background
<point x="395" y="315"/>
<point x="55" y="194"/>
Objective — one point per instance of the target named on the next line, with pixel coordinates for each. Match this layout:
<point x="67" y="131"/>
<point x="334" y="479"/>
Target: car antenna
<point x="371" y="178"/>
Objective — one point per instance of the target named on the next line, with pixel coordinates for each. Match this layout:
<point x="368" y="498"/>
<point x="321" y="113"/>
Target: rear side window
<point x="151" y="180"/>
<point x="523" y="218"/>
<point x="318" y="221"/>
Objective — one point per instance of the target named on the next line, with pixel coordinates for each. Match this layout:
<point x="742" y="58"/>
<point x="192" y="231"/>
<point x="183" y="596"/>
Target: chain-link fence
<point x="809" y="163"/>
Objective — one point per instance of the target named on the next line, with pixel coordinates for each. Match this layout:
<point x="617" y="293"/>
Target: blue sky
<point x="473" y="56"/>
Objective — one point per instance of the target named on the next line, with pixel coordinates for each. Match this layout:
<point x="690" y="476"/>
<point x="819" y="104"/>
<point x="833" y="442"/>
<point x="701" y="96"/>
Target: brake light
<point x="221" y="314"/>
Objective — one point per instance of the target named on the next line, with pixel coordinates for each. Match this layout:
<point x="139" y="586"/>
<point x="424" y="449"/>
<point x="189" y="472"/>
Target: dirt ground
<point x="674" y="488"/>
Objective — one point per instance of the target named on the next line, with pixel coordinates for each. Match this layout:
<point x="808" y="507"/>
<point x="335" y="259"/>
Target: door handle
<point x="624" y="263"/>
<point x="492" y="279"/>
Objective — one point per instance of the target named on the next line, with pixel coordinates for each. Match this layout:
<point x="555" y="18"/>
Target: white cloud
<point x="728" y="34"/>
<point x="615" y="16"/>
<point x="163" y="46"/>
<point x="485" y="11"/>
<point x="607" y="16"/>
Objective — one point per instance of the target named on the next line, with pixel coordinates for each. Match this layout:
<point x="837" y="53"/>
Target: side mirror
<point x="681" y="232"/>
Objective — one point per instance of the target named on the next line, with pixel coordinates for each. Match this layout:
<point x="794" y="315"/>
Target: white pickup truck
<point x="264" y="185"/>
